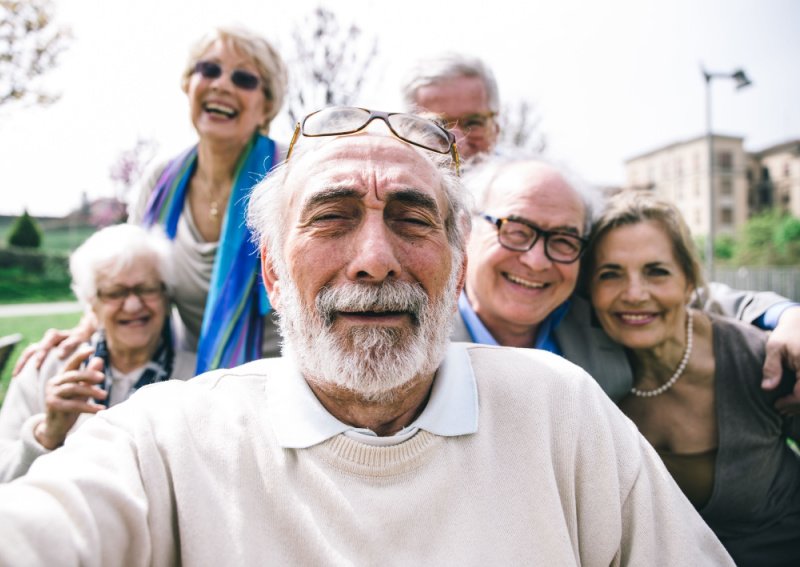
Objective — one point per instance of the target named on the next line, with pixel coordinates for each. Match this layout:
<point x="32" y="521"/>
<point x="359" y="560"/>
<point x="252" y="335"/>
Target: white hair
<point x="445" y="67"/>
<point x="112" y="250"/>
<point x="479" y="181"/>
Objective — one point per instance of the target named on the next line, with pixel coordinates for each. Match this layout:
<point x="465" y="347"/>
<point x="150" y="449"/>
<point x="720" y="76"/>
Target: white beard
<point x="374" y="362"/>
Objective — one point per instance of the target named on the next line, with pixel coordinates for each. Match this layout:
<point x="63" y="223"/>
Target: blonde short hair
<point x="270" y="65"/>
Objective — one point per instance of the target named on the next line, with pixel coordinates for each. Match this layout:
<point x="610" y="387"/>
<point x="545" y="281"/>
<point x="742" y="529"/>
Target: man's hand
<point x="66" y="341"/>
<point x="783" y="350"/>
<point x="68" y="395"/>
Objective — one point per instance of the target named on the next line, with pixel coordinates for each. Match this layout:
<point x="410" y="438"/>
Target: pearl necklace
<point x="681" y="366"/>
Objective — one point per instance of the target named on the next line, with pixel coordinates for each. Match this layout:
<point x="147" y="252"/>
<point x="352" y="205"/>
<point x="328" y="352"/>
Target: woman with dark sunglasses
<point x="235" y="82"/>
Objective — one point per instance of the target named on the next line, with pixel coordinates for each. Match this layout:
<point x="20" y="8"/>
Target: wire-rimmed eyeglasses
<point x="475" y="124"/>
<point x="411" y="129"/>
<point x="520" y="236"/>
<point x="145" y="292"/>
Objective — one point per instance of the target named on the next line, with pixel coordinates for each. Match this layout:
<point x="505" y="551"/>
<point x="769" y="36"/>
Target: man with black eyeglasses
<point x="529" y="233"/>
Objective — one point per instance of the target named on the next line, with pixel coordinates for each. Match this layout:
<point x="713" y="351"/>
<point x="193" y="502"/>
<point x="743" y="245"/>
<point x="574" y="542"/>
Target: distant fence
<point x="784" y="280"/>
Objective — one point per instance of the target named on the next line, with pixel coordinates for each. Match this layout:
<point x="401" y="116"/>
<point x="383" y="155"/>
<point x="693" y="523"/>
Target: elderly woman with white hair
<point x="123" y="274"/>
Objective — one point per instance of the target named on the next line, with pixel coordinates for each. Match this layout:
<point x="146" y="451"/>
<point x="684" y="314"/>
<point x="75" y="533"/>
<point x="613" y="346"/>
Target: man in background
<point x="462" y="91"/>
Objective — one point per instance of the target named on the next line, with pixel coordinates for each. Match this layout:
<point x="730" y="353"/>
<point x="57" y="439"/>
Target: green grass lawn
<point x="18" y="286"/>
<point x="32" y="329"/>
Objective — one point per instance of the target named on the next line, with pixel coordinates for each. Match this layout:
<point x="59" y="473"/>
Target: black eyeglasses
<point x="411" y="129"/>
<point x="521" y="236"/>
<point x="242" y="79"/>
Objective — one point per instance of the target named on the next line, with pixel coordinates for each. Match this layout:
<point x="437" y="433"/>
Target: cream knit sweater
<point x="190" y="473"/>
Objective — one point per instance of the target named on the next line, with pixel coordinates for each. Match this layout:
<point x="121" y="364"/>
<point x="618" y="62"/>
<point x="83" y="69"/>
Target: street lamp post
<point x="741" y="81"/>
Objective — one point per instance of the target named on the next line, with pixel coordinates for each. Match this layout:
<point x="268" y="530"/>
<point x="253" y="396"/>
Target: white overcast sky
<point x="611" y="78"/>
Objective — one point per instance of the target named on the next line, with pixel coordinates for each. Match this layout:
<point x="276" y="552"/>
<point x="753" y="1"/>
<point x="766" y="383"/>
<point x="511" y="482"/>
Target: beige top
<point x="194" y="263"/>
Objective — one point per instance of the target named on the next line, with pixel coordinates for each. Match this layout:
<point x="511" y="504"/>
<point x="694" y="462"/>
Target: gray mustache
<point x="386" y="296"/>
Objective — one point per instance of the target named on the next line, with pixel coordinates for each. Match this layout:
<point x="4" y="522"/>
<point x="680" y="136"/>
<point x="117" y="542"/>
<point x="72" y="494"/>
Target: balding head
<point x="514" y="291"/>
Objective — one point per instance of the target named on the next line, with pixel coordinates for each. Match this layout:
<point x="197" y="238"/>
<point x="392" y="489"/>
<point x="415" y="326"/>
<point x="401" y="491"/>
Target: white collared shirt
<point x="299" y="419"/>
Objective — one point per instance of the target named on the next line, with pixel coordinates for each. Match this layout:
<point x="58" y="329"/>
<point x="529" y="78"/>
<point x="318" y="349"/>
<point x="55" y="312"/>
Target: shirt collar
<point x="299" y="420"/>
<point x="545" y="339"/>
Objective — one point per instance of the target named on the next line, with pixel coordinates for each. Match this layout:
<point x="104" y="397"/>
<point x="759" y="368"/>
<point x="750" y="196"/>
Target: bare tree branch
<point x="328" y="64"/>
<point x="520" y="126"/>
<point x="29" y="47"/>
<point x="131" y="164"/>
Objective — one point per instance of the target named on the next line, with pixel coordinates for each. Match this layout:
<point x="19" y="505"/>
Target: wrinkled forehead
<point x="363" y="162"/>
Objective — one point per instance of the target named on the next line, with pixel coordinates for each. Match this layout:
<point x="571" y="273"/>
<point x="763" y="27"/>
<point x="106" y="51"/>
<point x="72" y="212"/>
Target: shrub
<point x="25" y="233"/>
<point x="724" y="247"/>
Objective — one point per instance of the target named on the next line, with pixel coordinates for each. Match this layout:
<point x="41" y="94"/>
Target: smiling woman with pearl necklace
<point x="697" y="382"/>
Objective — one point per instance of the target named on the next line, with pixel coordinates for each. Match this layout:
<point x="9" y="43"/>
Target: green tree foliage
<point x="788" y="233"/>
<point x="29" y="46"/>
<point x="724" y="247"/>
<point x="769" y="238"/>
<point x="25" y="233"/>
<point x="520" y="126"/>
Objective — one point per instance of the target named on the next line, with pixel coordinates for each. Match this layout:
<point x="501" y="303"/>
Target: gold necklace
<point x="214" y="212"/>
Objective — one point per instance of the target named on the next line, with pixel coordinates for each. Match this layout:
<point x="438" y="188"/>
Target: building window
<point x="764" y="174"/>
<point x="696" y="188"/>
<point x="726" y="215"/>
<point x="726" y="186"/>
<point x="725" y="161"/>
<point x="787" y="169"/>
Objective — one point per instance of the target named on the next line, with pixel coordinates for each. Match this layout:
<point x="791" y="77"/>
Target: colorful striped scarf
<point x="158" y="369"/>
<point x="237" y="301"/>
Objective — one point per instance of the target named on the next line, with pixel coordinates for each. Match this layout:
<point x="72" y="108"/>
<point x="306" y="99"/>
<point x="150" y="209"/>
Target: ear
<point x="462" y="280"/>
<point x="271" y="282"/>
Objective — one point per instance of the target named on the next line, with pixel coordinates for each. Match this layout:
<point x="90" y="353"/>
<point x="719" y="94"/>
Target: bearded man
<point x="372" y="440"/>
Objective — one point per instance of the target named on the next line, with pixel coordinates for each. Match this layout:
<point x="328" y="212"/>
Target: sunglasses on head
<point x="242" y="79"/>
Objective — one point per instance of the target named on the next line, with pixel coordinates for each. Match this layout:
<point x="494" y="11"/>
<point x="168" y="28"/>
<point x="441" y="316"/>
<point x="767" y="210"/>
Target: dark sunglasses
<point x="411" y="129"/>
<point x="242" y="79"/>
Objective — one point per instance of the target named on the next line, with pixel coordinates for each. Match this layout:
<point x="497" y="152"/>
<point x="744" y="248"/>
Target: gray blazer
<point x="583" y="341"/>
